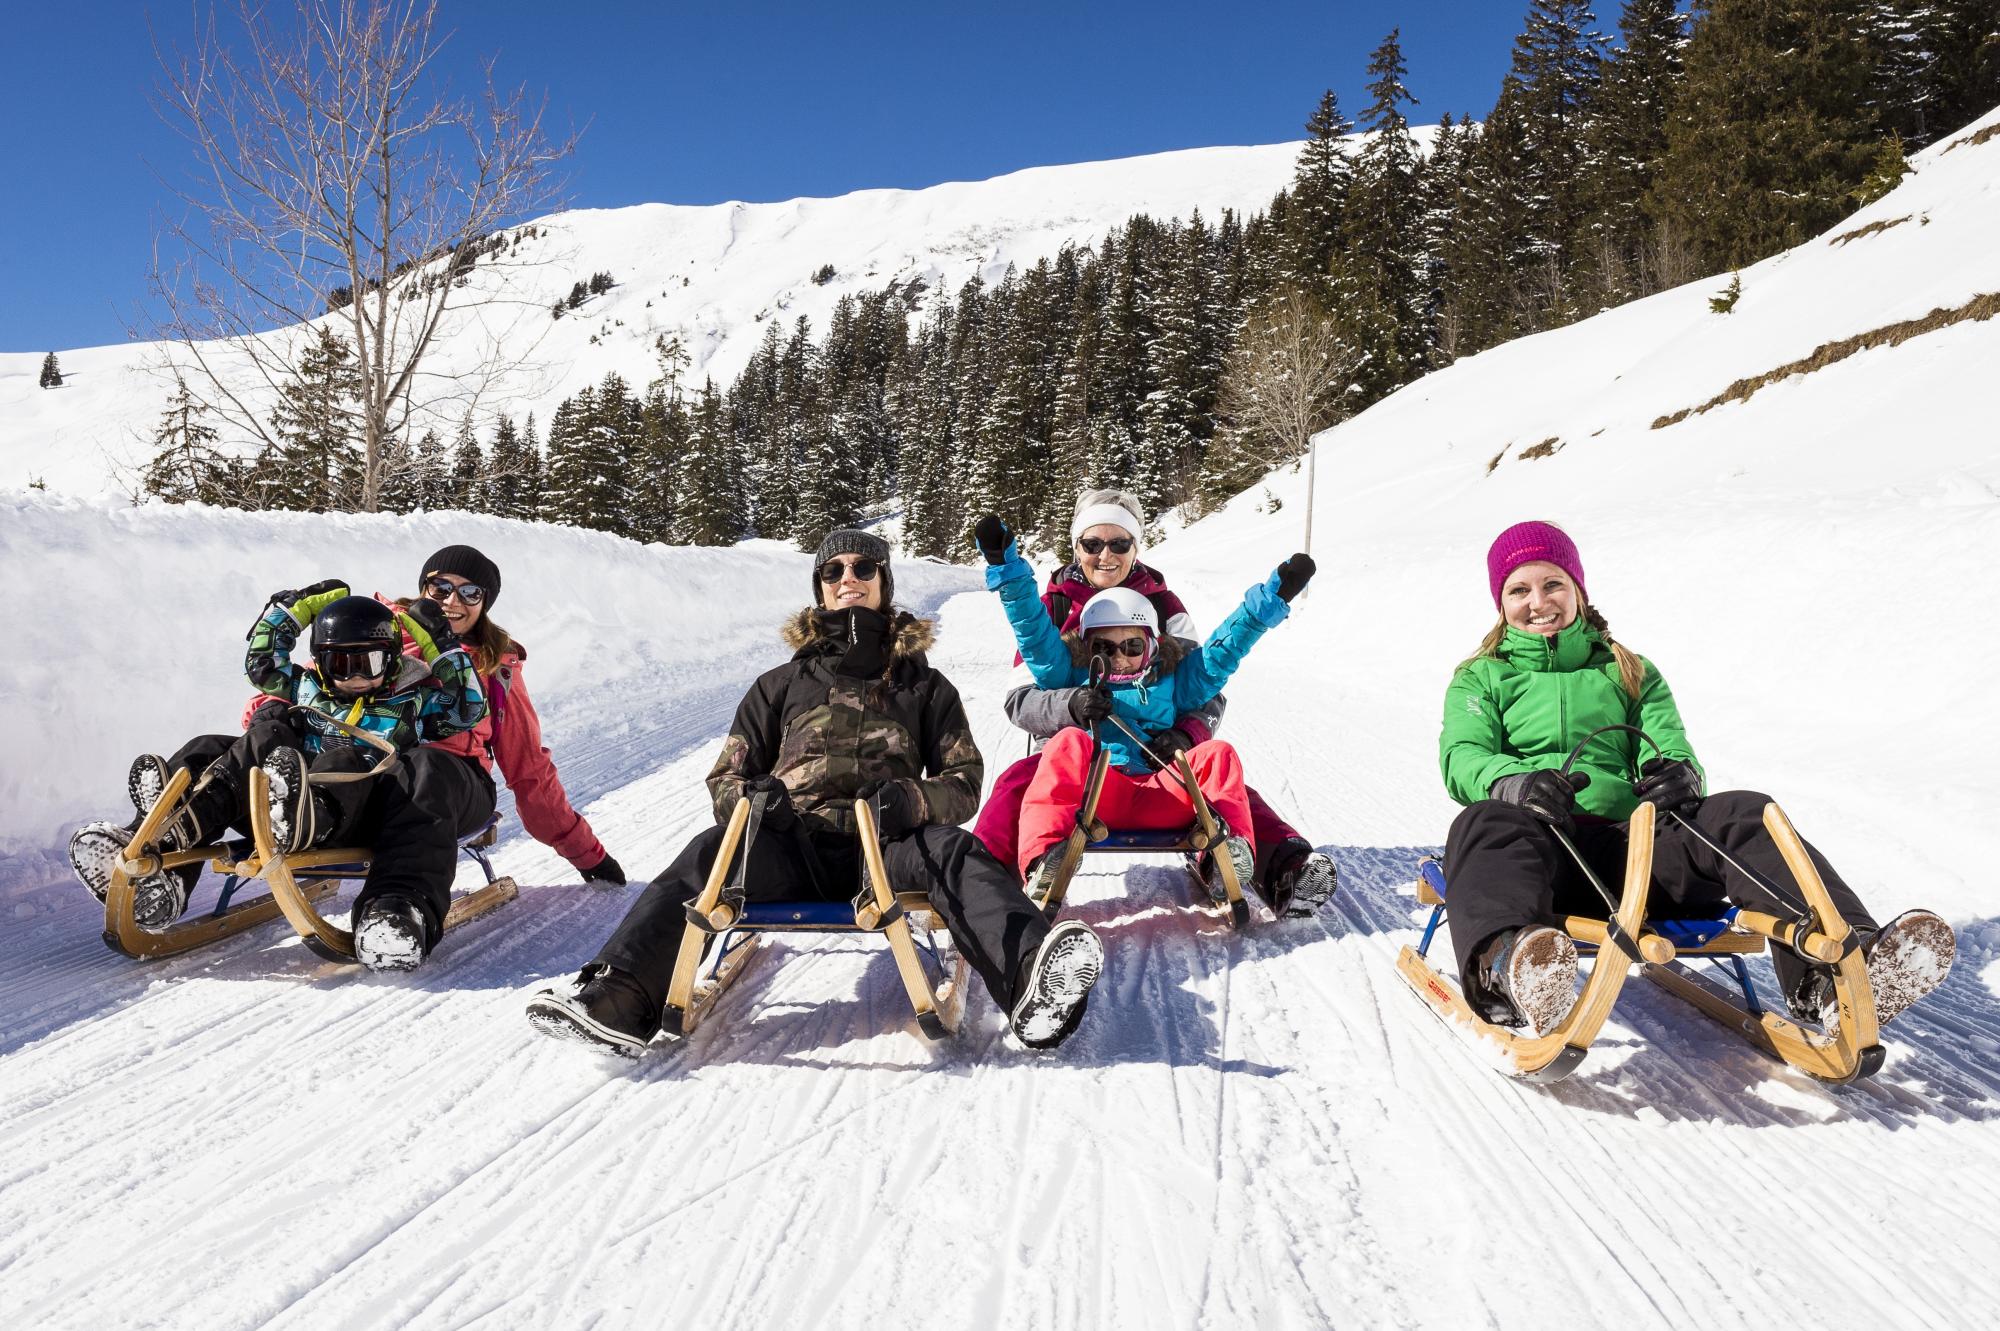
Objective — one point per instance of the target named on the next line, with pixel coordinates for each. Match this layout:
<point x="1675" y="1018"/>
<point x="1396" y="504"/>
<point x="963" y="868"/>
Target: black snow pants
<point x="413" y="852"/>
<point x="1505" y="869"/>
<point x="992" y="922"/>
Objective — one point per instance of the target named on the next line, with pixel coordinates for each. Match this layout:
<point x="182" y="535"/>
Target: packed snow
<point x="1262" y="1128"/>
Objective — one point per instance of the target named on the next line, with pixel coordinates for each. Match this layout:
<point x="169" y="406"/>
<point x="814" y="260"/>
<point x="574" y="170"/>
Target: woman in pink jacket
<point x="454" y="776"/>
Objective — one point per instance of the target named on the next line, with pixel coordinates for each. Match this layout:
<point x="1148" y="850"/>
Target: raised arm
<point x="1265" y="606"/>
<point x="267" y="662"/>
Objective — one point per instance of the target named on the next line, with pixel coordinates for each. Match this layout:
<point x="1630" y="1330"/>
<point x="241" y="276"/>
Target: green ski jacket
<point x="1525" y="709"/>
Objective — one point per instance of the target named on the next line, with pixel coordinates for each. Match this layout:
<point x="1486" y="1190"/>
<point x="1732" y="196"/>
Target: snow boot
<point x="1242" y="856"/>
<point x="1300" y="880"/>
<point x="606" y="1009"/>
<point x="1042" y="874"/>
<point x="389" y="934"/>
<point x="158" y="899"/>
<point x="1055" y="985"/>
<point x="145" y="781"/>
<point x="1532" y="974"/>
<point x="1907" y="958"/>
<point x="300" y="816"/>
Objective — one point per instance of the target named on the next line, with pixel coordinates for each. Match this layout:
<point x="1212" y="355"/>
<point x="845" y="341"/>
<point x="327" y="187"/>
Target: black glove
<point x="605" y="870"/>
<point x="897" y="805"/>
<point x="1670" y="783"/>
<point x="1547" y="794"/>
<point x="779" y="815"/>
<point x="991" y="533"/>
<point x="1166" y="743"/>
<point x="431" y="618"/>
<point x="1088" y="704"/>
<point x="1294" y="574"/>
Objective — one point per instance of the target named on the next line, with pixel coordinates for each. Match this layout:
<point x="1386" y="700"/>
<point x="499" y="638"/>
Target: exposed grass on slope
<point x="1979" y="308"/>
<point x="1872" y="229"/>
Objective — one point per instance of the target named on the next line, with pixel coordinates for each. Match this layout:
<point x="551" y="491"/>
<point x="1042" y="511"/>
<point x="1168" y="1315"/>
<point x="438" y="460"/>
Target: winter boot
<point x="158" y="899"/>
<point x="1055" y="985"/>
<point x="1042" y="874"/>
<point x="145" y="782"/>
<point x="606" y="1009"/>
<point x="1242" y="857"/>
<point x="1299" y="881"/>
<point x="389" y="934"/>
<point x="1532" y="974"/>
<point x="300" y="816"/>
<point x="1907" y="958"/>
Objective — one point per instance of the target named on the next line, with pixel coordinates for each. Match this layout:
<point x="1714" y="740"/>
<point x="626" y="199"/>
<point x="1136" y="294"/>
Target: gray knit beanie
<point x="854" y="541"/>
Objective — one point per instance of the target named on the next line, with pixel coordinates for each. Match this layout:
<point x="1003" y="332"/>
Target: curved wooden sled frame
<point x="878" y="908"/>
<point x="296" y="902"/>
<point x="1551" y="1057"/>
<point x="1089" y="835"/>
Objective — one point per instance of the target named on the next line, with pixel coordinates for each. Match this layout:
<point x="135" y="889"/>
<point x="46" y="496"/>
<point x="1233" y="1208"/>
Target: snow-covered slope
<point x="1260" y="1129"/>
<point x="713" y="276"/>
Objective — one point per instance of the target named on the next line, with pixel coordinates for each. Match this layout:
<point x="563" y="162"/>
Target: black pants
<point x="1505" y="869"/>
<point x="994" y="925"/>
<point x="408" y="819"/>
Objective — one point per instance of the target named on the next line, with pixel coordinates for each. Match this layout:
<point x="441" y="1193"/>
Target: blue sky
<point x="702" y="103"/>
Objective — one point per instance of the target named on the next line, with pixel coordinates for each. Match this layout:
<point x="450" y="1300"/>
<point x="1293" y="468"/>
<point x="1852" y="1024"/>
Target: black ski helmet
<point x="354" y="624"/>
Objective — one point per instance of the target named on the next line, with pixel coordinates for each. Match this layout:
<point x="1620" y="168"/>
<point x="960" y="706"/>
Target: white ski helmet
<point x="1119" y="608"/>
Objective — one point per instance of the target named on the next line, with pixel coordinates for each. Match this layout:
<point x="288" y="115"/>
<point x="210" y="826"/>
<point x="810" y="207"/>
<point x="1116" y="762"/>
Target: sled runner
<point x="1092" y="837"/>
<point x="936" y="987"/>
<point x="314" y="875"/>
<point x="1658" y="947"/>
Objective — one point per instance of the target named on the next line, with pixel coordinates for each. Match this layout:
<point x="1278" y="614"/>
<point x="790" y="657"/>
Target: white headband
<point x="1106" y="515"/>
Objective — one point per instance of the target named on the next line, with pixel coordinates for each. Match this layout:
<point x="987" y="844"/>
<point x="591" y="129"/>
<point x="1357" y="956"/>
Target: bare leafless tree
<point x="338" y="179"/>
<point x="1285" y="381"/>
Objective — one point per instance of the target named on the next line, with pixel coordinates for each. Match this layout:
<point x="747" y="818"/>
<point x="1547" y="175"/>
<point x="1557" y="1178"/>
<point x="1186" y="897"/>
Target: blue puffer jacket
<point x="1154" y="700"/>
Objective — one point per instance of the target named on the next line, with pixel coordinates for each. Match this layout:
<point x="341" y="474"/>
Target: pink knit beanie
<point x="1527" y="542"/>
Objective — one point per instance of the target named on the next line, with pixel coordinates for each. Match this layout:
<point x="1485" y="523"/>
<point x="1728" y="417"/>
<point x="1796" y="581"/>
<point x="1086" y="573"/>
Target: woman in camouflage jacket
<point x="857" y="713"/>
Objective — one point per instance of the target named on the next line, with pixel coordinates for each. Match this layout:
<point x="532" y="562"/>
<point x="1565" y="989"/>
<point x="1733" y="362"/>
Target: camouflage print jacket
<point x="827" y="735"/>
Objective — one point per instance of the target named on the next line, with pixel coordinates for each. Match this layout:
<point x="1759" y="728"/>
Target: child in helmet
<point x="1149" y="679"/>
<point x="359" y="680"/>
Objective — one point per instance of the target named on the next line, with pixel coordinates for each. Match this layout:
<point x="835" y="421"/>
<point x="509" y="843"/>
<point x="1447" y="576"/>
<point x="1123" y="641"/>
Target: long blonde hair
<point x="1631" y="670"/>
<point x="487" y="642"/>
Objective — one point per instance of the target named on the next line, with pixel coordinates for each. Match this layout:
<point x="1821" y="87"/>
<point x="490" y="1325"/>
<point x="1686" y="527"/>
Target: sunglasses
<point x="1129" y="647"/>
<point x="353" y="662"/>
<point x="1118" y="545"/>
<point x="470" y="593"/>
<point x="833" y="570"/>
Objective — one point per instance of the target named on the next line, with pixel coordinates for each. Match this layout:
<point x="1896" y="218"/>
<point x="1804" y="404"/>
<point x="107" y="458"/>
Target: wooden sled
<point x="1091" y="837"/>
<point x="936" y="991"/>
<point x="294" y="877"/>
<point x="1658" y="947"/>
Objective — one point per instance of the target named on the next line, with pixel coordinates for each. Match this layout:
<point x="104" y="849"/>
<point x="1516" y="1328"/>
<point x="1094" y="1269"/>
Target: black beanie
<point x="465" y="562"/>
<point x="854" y="541"/>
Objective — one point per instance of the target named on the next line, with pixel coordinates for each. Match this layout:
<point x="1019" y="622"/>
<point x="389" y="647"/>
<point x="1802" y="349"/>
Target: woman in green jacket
<point x="1547" y="675"/>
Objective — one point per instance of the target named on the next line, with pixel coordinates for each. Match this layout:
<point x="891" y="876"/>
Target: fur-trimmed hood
<point x="909" y="636"/>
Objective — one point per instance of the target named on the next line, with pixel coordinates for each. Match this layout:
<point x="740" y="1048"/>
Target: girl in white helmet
<point x="1149" y="680"/>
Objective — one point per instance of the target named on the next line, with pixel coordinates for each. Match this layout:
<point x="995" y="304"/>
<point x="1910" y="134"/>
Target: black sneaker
<point x="158" y="899"/>
<point x="389" y="935"/>
<point x="145" y="781"/>
<point x="606" y="1010"/>
<point x="291" y="802"/>
<point x="1055" y="985"/>
<point x="1533" y="970"/>
<point x="1301" y="882"/>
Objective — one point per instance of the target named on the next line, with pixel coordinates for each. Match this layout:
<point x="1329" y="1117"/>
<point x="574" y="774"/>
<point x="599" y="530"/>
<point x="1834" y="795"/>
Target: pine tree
<point x="1624" y="142"/>
<point x="467" y="471"/>
<point x="52" y="372"/>
<point x="507" y="468"/>
<point x="1772" y="133"/>
<point x="659" y="477"/>
<point x="400" y="485"/>
<point x="931" y="479"/>
<point x="318" y="458"/>
<point x="532" y="471"/>
<point x="710" y="511"/>
<point x="430" y="469"/>
<point x="1319" y="196"/>
<point x="186" y="464"/>
<point x="1379" y="277"/>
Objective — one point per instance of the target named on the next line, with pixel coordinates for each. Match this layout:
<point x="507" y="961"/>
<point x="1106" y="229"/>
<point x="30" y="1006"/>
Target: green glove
<point x="304" y="604"/>
<point x="424" y="621"/>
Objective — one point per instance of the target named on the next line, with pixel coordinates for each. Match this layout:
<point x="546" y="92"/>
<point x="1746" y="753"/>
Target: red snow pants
<point x="1154" y="802"/>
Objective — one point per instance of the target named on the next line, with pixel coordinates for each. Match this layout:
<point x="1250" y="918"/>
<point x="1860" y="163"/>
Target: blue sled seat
<point x="1164" y="842"/>
<point x="1687" y="935"/>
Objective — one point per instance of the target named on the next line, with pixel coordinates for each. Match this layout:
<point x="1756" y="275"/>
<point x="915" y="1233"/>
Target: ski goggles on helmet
<point x="353" y="662"/>
<point x="469" y="593"/>
<point x="833" y="570"/>
<point x="1091" y="545"/>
